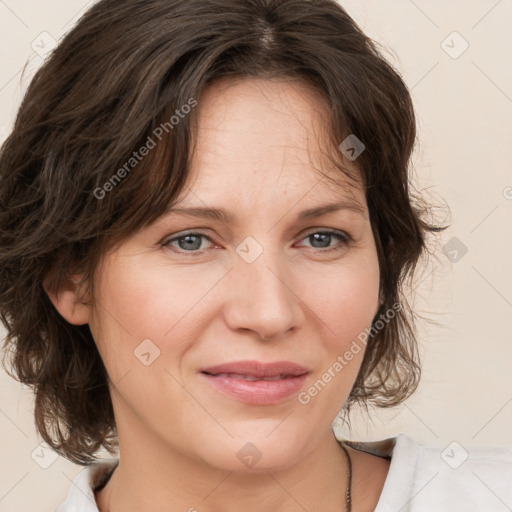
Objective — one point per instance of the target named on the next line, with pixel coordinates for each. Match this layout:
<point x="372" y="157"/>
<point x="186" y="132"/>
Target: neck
<point x="150" y="477"/>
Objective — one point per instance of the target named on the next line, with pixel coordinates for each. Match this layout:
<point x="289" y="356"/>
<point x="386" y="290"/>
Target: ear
<point x="69" y="300"/>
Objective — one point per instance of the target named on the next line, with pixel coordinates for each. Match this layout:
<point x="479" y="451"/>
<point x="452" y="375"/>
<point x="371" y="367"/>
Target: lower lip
<point x="257" y="392"/>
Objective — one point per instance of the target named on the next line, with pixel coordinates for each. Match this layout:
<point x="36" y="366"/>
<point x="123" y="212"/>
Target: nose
<point x="262" y="298"/>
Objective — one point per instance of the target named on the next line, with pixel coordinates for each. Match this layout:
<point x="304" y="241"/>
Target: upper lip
<point x="257" y="369"/>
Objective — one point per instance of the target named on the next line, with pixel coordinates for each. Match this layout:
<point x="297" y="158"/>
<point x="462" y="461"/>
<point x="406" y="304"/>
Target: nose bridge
<point x="263" y="300"/>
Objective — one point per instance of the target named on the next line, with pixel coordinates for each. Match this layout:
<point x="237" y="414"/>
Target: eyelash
<point x="342" y="236"/>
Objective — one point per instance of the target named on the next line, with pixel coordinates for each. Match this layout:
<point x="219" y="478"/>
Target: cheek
<point x="138" y="302"/>
<point x="345" y="300"/>
<point x="345" y="311"/>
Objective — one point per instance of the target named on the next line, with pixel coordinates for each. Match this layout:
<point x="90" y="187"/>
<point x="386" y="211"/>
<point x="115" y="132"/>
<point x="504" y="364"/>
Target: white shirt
<point x="420" y="478"/>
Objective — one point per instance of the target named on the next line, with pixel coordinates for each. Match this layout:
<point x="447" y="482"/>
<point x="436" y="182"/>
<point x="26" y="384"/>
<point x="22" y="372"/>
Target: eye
<point x="191" y="242"/>
<point x="323" y="239"/>
<point x="187" y="242"/>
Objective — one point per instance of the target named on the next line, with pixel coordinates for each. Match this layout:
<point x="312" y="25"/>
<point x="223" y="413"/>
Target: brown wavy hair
<point x="126" y="67"/>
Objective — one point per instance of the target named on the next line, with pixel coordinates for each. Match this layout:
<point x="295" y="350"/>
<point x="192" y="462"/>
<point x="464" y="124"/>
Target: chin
<point x="255" y="453"/>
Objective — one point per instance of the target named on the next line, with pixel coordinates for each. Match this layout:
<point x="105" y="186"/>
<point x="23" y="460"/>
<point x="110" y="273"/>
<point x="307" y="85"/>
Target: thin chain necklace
<point x="348" y="494"/>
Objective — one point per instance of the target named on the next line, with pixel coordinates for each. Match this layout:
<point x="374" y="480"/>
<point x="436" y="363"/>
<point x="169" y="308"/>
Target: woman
<point x="206" y="226"/>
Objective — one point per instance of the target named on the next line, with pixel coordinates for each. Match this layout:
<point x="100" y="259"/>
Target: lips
<point x="257" y="370"/>
<point x="255" y="382"/>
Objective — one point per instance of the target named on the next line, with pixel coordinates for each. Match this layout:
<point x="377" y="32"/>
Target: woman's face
<point x="259" y="287"/>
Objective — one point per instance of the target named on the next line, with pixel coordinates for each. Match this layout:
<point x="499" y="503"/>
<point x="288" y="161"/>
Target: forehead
<point x="265" y="137"/>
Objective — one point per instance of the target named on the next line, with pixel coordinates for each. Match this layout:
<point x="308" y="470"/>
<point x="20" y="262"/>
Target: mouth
<point x="256" y="383"/>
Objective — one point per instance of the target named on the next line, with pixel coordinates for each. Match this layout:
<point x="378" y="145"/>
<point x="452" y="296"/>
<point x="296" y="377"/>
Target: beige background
<point x="464" y="108"/>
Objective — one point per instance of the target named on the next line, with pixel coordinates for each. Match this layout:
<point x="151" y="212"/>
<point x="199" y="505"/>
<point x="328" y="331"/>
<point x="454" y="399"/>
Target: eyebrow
<point x="228" y="217"/>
